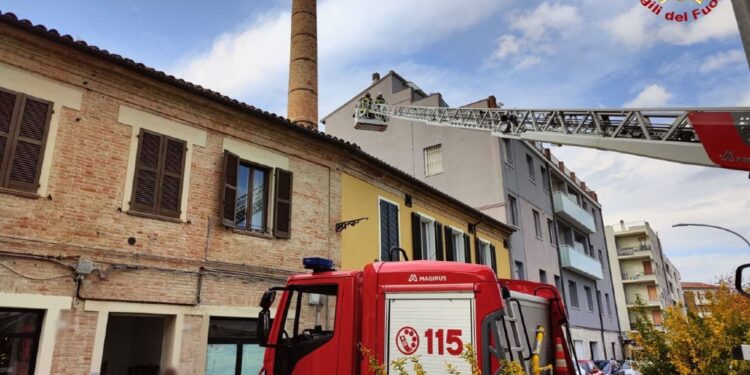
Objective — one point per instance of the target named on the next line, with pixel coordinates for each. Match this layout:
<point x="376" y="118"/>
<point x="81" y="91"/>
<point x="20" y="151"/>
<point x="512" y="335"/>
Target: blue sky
<point x="574" y="53"/>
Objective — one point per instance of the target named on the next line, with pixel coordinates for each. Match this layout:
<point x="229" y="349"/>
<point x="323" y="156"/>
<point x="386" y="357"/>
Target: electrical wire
<point x="33" y="278"/>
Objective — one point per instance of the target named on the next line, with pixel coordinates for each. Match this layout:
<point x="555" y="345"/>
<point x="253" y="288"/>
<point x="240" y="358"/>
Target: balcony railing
<point x="580" y="263"/>
<point x="638" y="277"/>
<point x="569" y="210"/>
<point x="634" y="252"/>
<point x="646" y="302"/>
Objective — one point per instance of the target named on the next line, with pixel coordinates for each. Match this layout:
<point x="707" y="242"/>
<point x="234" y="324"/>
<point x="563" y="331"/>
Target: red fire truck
<point x="395" y="310"/>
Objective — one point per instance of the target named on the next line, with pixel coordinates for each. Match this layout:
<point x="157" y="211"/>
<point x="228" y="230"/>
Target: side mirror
<point x="267" y="300"/>
<point x="742" y="280"/>
<point x="264" y="327"/>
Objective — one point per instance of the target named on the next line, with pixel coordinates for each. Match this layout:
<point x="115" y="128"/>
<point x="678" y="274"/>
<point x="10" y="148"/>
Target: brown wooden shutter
<point x="170" y="187"/>
<point x="147" y="166"/>
<point x="8" y="109"/>
<point x="229" y="192"/>
<point x="27" y="144"/>
<point x="283" y="204"/>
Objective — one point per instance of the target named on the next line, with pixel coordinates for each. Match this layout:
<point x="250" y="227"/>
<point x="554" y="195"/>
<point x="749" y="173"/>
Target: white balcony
<point x="634" y="252"/>
<point x="580" y="263"/>
<point x="638" y="278"/>
<point x="569" y="210"/>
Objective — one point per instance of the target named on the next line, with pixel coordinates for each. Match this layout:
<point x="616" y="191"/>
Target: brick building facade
<point x="118" y="249"/>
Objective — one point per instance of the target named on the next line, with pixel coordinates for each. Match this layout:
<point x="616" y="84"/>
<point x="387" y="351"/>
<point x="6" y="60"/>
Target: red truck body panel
<point x="361" y="308"/>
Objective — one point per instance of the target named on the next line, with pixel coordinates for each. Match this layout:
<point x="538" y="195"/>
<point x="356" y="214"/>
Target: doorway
<point x="133" y="345"/>
<point x="647" y="269"/>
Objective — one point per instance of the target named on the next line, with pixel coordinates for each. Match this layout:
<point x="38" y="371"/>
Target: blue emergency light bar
<point x="317" y="264"/>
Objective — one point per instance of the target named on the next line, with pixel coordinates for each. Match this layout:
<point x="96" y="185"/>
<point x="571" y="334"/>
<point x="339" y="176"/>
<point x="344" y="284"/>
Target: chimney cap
<point x="375" y="76"/>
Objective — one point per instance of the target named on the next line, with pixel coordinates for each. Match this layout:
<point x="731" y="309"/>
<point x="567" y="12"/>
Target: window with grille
<point x="433" y="160"/>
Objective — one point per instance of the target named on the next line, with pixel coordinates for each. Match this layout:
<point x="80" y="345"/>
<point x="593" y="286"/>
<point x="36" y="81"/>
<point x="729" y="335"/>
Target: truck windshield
<point x="310" y="314"/>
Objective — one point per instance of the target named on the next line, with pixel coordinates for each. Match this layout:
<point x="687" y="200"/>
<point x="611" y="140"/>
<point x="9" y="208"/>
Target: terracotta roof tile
<point x="697" y="285"/>
<point x="80" y="45"/>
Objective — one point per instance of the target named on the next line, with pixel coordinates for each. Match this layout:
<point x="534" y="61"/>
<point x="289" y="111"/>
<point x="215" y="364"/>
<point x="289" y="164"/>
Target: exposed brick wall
<point x="40" y="277"/>
<point x="191" y="352"/>
<point x="82" y="216"/>
<point x="75" y="343"/>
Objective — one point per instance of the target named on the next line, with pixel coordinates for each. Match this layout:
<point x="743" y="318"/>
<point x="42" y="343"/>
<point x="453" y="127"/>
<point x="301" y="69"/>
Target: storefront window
<point x="19" y="340"/>
<point x="233" y="347"/>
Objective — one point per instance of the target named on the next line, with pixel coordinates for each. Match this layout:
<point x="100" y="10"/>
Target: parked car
<point x="627" y="367"/>
<point x="610" y="367"/>
<point x="589" y="367"/>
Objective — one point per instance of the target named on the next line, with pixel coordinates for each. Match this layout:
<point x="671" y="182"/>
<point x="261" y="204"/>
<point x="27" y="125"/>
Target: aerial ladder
<point x="711" y="137"/>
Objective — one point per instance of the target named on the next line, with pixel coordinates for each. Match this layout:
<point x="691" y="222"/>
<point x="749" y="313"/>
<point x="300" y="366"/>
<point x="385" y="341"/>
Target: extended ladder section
<point x="716" y="137"/>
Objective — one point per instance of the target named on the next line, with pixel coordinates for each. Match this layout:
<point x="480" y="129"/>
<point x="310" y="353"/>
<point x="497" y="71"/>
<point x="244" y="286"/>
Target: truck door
<point x="434" y="326"/>
<point x="309" y="339"/>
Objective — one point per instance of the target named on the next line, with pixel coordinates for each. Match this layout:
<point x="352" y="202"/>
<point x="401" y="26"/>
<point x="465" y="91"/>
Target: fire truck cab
<point x="427" y="309"/>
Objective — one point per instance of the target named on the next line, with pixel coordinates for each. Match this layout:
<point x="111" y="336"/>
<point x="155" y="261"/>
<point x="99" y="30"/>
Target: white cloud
<point x="535" y="30"/>
<point x="632" y="188"/>
<point x="528" y="61"/>
<point x="545" y="18"/>
<point x="253" y="61"/>
<point x="722" y="60"/>
<point x="651" y="96"/>
<point x="718" y="24"/>
<point x="745" y="100"/>
<point x="709" y="268"/>
<point x="244" y="60"/>
<point x="639" y="28"/>
<point x="507" y="45"/>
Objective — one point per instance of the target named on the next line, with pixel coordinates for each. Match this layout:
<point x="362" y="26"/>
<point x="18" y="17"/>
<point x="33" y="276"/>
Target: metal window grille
<point x="433" y="160"/>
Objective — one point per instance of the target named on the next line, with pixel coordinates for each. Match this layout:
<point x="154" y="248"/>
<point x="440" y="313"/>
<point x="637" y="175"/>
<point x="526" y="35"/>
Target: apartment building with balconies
<point x="559" y="230"/>
<point x="584" y="263"/>
<point x="646" y="273"/>
<point x="698" y="297"/>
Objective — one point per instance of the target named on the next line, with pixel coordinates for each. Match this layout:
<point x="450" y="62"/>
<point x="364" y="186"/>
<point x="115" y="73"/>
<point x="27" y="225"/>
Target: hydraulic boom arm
<point x="714" y="137"/>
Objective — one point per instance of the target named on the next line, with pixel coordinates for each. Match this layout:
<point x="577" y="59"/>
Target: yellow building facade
<point x="444" y="230"/>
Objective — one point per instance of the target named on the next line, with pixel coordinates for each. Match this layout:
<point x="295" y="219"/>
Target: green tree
<point x="691" y="344"/>
<point x="653" y="350"/>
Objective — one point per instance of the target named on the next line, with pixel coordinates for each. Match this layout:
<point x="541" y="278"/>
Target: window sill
<point x="532" y="180"/>
<point x="154" y="217"/>
<point x="509" y="164"/>
<point x="20" y="193"/>
<point x="251" y="233"/>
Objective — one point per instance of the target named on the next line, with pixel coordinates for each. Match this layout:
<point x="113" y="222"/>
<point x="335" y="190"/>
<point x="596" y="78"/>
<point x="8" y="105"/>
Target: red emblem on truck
<point x="407" y="340"/>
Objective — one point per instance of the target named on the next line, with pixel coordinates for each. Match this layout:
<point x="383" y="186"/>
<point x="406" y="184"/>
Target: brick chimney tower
<point x="303" y="64"/>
